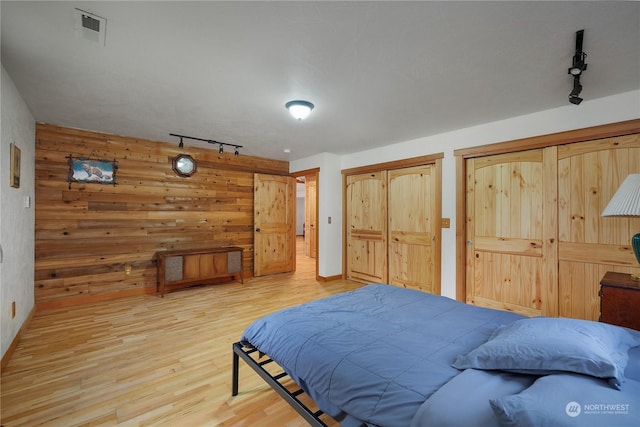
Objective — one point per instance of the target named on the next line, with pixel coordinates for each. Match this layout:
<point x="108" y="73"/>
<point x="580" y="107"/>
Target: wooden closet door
<point x="366" y="225"/>
<point x="414" y="228"/>
<point x="511" y="232"/>
<point x="589" y="173"/>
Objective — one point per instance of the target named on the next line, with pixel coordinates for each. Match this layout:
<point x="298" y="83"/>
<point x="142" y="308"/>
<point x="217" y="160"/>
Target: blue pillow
<point x="547" y="345"/>
<point x="570" y="400"/>
<point x="447" y="408"/>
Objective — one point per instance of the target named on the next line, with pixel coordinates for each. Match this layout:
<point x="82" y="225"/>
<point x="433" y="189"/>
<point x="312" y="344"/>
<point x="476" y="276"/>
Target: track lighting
<point x="221" y="145"/>
<point x="577" y="88"/>
<point x="577" y="68"/>
<point x="579" y="57"/>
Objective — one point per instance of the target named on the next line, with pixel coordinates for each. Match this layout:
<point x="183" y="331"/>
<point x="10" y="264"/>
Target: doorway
<point x="307" y="233"/>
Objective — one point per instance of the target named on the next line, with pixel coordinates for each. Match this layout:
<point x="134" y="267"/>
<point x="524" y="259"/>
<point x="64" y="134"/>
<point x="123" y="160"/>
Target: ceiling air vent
<point x="90" y="27"/>
<point x="90" y="23"/>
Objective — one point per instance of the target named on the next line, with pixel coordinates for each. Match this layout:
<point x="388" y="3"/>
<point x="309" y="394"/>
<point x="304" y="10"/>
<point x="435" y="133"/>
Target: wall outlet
<point x="127" y="270"/>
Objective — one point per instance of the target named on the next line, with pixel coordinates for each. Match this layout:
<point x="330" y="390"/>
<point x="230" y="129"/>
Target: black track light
<point x="577" y="88"/>
<point x="210" y="141"/>
<point x="577" y="68"/>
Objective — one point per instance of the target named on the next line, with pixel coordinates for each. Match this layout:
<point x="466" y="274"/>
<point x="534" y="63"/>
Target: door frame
<point x="549" y="140"/>
<point x="316" y="172"/>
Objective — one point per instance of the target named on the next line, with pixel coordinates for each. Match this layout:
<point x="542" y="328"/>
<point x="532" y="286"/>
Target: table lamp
<point x="626" y="202"/>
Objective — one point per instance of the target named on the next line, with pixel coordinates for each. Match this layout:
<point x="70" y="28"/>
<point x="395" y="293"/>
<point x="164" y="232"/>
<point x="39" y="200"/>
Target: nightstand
<point x="620" y="300"/>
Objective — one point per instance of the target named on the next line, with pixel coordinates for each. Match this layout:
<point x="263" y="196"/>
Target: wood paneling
<point x="86" y="234"/>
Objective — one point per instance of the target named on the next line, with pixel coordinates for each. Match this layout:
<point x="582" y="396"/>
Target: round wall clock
<point x="184" y="165"/>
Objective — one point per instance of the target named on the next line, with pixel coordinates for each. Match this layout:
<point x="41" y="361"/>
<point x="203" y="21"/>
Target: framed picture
<point x="86" y="170"/>
<point x="15" y="166"/>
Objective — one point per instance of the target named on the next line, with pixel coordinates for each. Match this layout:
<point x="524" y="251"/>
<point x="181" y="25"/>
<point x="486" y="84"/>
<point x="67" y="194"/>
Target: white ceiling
<point x="378" y="72"/>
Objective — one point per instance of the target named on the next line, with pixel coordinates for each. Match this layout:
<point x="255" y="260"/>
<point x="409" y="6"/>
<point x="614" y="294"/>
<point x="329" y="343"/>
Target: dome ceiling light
<point x="300" y="110"/>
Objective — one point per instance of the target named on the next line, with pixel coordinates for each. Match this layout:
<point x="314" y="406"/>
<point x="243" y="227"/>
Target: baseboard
<point x="7" y="356"/>
<point x="328" y="278"/>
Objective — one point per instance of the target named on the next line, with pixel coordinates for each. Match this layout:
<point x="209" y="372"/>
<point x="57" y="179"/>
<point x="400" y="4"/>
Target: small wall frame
<point x="14" y="179"/>
<point x="88" y="170"/>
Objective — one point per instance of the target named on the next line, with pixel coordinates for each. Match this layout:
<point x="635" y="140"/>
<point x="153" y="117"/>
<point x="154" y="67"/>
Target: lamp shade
<point x="626" y="201"/>
<point x="299" y="109"/>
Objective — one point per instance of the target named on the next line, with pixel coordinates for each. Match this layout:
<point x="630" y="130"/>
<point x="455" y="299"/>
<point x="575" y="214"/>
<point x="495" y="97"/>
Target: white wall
<point x="330" y="206"/>
<point x="611" y="109"/>
<point x="17" y="223"/>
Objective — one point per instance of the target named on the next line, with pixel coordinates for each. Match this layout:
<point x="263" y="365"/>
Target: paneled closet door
<point x="414" y="251"/>
<point x="512" y="232"/>
<point x="366" y="227"/>
<point x="589" y="173"/>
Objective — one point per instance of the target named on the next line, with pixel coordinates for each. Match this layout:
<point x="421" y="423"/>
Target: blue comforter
<point x="376" y="353"/>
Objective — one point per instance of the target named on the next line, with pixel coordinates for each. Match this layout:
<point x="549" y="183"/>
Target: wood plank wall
<point x="88" y="235"/>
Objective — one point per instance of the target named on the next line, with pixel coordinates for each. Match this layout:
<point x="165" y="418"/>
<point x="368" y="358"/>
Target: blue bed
<point x="387" y="356"/>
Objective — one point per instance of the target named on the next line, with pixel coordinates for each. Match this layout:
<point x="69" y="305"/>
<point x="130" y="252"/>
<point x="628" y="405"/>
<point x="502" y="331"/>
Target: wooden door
<point x="310" y="215"/>
<point x="511" y="232"/>
<point x="274" y="205"/>
<point x="589" y="173"/>
<point x="414" y="231"/>
<point x="366" y="227"/>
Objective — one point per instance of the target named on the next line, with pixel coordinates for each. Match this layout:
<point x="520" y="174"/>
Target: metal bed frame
<point x="291" y="397"/>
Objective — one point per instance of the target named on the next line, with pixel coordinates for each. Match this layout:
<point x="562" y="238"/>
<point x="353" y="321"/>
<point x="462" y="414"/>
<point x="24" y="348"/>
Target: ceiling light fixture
<point x="299" y="109"/>
<point x="577" y="68"/>
<point x="577" y="88"/>
<point x="221" y="145"/>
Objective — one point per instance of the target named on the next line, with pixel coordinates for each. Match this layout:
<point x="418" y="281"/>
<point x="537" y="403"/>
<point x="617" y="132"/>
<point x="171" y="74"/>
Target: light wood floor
<point x="145" y="360"/>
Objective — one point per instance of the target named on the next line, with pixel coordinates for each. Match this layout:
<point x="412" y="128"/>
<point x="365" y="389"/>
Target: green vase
<point x="635" y="242"/>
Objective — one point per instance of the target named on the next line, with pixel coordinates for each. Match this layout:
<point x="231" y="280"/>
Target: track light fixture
<point x="577" y="88"/>
<point x="577" y="68"/>
<point x="210" y="141"/>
